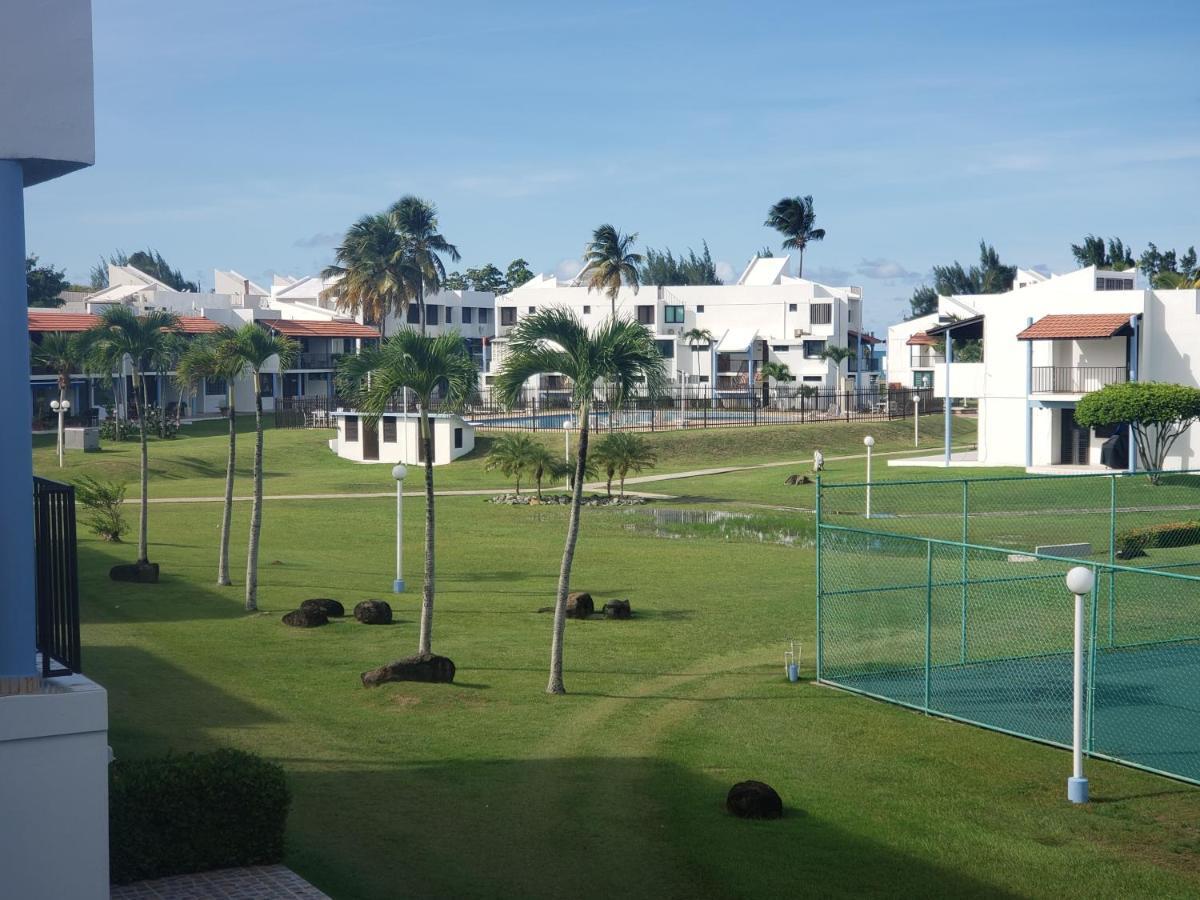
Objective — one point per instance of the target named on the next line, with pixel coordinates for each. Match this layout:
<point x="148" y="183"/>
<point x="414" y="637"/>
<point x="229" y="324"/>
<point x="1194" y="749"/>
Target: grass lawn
<point x="490" y="788"/>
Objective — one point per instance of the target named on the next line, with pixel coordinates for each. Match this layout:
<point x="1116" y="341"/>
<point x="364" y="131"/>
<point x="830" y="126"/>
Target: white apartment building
<point x="1044" y="344"/>
<point x="766" y="315"/>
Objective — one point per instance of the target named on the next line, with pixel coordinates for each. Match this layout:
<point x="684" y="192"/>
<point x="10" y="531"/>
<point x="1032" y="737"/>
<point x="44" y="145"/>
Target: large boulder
<point x="579" y="605"/>
<point x="422" y="667"/>
<point x="374" y="612"/>
<point x="141" y="573"/>
<point x="754" y="800"/>
<point x="305" y="618"/>
<point x="617" y="609"/>
<point x="331" y="608"/>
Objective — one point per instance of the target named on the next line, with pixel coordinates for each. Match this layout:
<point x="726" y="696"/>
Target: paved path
<point x="250" y="883"/>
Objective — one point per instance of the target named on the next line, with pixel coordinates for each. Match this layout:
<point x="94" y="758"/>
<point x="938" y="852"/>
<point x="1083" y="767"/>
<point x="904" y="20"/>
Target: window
<point x="508" y="315"/>
<point x="673" y="315"/>
<point x="215" y="386"/>
<point x="414" y="314"/>
<point x="532" y="310"/>
<point x="449" y="315"/>
<point x="780" y="348"/>
<point x="813" y="379"/>
<point x="699" y="307"/>
<point x="703" y="379"/>
<point x="467" y="315"/>
<point x="666" y="348"/>
<point x="1114" y="284"/>
<point x="791" y="307"/>
<point x="266" y="384"/>
<point x="587" y="310"/>
<point x="820" y="314"/>
<point x="458" y="439"/>
<point x="351" y="429"/>
<point x="431" y="313"/>
<point x="483" y="315"/>
<point x="645" y="315"/>
<point x="389" y="429"/>
<point x="813" y="349"/>
<point x="922" y="379"/>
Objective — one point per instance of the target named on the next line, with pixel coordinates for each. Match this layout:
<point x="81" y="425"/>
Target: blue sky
<point x="249" y="134"/>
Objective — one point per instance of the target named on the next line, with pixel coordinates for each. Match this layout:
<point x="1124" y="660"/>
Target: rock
<point x="305" y="618"/>
<point x="142" y="573"/>
<point x="797" y="479"/>
<point x="331" y="608"/>
<point x="579" y="605"/>
<point x="617" y="609"/>
<point x="422" y="667"/>
<point x="373" y="612"/>
<point x="754" y="800"/>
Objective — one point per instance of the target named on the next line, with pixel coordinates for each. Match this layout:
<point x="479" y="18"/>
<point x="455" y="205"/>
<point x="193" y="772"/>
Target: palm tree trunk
<point x="622" y="495"/>
<point x="425" y="639"/>
<point x="421" y="304"/>
<point x="800" y="270"/>
<point x="555" y="685"/>
<point x="256" y="504"/>
<point x="144" y="512"/>
<point x="227" y="513"/>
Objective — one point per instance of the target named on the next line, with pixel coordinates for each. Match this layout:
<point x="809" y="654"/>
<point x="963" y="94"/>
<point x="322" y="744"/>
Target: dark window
<point x="449" y="315"/>
<point x="666" y="348"/>
<point x="414" y="314"/>
<point x="587" y="310"/>
<point x="780" y="348"/>
<point x="703" y="379"/>
<point x="699" y="307"/>
<point x="351" y="429"/>
<point x="791" y="307"/>
<point x="820" y="314"/>
<point x="266" y="384"/>
<point x="215" y="386"/>
<point x="389" y="429"/>
<point x="467" y="315"/>
<point x="508" y="315"/>
<point x="813" y="379"/>
<point x="1114" y="284"/>
<point x="532" y="310"/>
<point x="645" y="315"/>
<point x="673" y="315"/>
<point x="431" y="313"/>
<point x="484" y="314"/>
<point x="458" y="438"/>
<point x="813" y="349"/>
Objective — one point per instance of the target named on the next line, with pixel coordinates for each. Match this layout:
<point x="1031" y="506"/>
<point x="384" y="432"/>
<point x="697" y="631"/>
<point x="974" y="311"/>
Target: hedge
<point x="1133" y="542"/>
<point x="193" y="813"/>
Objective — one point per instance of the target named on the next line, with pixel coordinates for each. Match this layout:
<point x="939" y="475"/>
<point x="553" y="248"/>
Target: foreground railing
<point x="57" y="572"/>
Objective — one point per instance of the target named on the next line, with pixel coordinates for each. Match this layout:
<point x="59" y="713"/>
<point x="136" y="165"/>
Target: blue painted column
<point x="17" y="604"/>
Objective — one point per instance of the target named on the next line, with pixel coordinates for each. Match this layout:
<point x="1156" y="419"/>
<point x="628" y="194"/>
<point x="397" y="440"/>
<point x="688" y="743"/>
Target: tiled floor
<point x="253" y="883"/>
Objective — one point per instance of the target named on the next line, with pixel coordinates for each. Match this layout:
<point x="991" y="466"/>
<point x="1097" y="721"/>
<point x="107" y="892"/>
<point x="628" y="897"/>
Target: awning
<point x="301" y="328"/>
<point x="920" y="339"/>
<point x="737" y="340"/>
<point x="964" y="329"/>
<point x="1079" y="326"/>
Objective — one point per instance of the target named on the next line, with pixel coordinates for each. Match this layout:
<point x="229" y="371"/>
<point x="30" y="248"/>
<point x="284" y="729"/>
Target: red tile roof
<point x="920" y="339"/>
<point x="198" y="325"/>
<point x="1076" y="327"/>
<point x="299" y="328"/>
<point x="866" y="338"/>
<point x="43" y="320"/>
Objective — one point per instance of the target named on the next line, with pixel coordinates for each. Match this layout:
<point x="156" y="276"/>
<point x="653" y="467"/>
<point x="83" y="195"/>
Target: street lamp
<point x="1080" y="581"/>
<point x="870" y="442"/>
<point x="398" y="472"/>
<point x="62" y="408"/>
<point x="916" y="420"/>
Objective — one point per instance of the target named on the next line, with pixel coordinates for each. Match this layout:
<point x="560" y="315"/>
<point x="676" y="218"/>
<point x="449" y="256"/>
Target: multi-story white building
<point x="1028" y="355"/>
<point x="766" y="315"/>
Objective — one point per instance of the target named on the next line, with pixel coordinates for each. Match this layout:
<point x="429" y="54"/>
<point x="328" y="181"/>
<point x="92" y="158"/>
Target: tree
<point x="695" y="339"/>
<point x="455" y="282"/>
<point x="619" y="351"/>
<point x="837" y="355"/>
<point x="121" y="335"/>
<point x="990" y="276"/>
<point x="417" y="221"/>
<point x="1157" y="413"/>
<point x="543" y="462"/>
<point x="517" y="274"/>
<point x="62" y="354"/>
<point x="375" y="274"/>
<point x="795" y="219"/>
<point x="213" y="356"/>
<point x="250" y="349"/>
<point x="622" y="452"/>
<point x="924" y="301"/>
<point x="43" y="284"/>
<point x="411" y="361"/>
<point x="778" y="371"/>
<point x="1169" y="270"/>
<point x="662" y="268"/>
<point x="611" y="262"/>
<point x="149" y="261"/>
<point x="1093" y="252"/>
<point x="105" y="503"/>
<point x="487" y="279"/>
<point x="512" y="454"/>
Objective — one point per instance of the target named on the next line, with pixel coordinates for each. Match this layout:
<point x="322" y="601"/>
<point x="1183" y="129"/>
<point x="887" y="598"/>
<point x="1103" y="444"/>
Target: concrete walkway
<point x="250" y="883"/>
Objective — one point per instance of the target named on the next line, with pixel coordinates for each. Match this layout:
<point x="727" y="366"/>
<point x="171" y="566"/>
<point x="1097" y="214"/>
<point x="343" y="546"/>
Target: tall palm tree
<point x="416" y="220"/>
<point x="210" y="357"/>
<point x="411" y="361"/>
<point x="794" y="218"/>
<point x="778" y="371"/>
<point x="695" y="339"/>
<point x="374" y="270"/>
<point x="251" y="348"/>
<point x="62" y="353"/>
<point x="611" y="262"/>
<point x="837" y="355"/>
<point x="120" y="335"/>
<point x="620" y="352"/>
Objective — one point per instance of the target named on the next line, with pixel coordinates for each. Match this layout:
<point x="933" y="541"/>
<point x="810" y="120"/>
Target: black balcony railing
<point x="57" y="572"/>
<point x="869" y="364"/>
<point x="1076" y="379"/>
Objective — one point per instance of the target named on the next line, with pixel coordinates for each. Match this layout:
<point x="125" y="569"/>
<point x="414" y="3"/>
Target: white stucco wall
<point x="406" y="448"/>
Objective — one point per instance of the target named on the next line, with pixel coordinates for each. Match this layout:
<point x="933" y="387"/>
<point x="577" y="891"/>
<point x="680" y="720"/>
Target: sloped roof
<point x="1077" y="326"/>
<point x="737" y="340"/>
<point x="198" y="325"/>
<point x="920" y="339"/>
<point x="865" y="338"/>
<point x="301" y="328"/>
<point x="46" y="320"/>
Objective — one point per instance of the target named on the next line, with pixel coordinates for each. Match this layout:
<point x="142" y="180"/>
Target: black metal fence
<point x="681" y="406"/>
<point x="57" y="570"/>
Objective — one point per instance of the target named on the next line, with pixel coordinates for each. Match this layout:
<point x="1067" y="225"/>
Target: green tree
<point x="144" y="341"/>
<point x="1094" y="252"/>
<point x="486" y="278"/>
<point x="774" y="371"/>
<point x="696" y="338"/>
<point x="622" y="452"/>
<point x="1168" y="270"/>
<point x="417" y="221"/>
<point x="795" y="219"/>
<point x="663" y="268"/>
<point x="214" y="357"/>
<point x="250" y="349"/>
<point x="611" y="262"/>
<point x="424" y="366"/>
<point x="923" y="301"/>
<point x="517" y="274"/>
<point x="512" y="455"/>
<point x="1158" y="414"/>
<point x="43" y="284"/>
<point x="62" y="354"/>
<point x="989" y="276"/>
<point x="837" y="355"/>
<point x="149" y="261"/>
<point x="542" y="463"/>
<point x="374" y="271"/>
<point x="619" y="352"/>
<point x="105" y="503"/>
<point x="455" y="282"/>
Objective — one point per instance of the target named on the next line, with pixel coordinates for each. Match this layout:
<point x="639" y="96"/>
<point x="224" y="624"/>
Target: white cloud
<point x="886" y="270"/>
<point x="513" y="184"/>
<point x="568" y="268"/>
<point x="725" y="271"/>
<point x="827" y="274"/>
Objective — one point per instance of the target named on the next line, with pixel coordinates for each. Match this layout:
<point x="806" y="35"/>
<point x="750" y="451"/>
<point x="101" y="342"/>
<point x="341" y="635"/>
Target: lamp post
<point x="916" y="420"/>
<point x="398" y="472"/>
<point x="61" y="407"/>
<point x="869" y="442"/>
<point x="568" y="424"/>
<point x="1080" y="581"/>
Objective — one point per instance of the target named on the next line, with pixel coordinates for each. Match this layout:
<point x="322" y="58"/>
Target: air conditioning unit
<point x="799" y="333"/>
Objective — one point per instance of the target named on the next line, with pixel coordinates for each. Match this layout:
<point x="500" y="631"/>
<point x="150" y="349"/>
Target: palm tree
<point x="794" y="218"/>
<point x="607" y="462"/>
<point x="210" y="357"/>
<point x="374" y="270"/>
<point x="416" y="220"/>
<point x="619" y="351"/>
<point x="252" y="347"/>
<point x="411" y="361"/>
<point x="837" y="356"/>
<point x="512" y="455"/>
<point x="62" y="354"/>
<point x="696" y="338"/>
<point x="543" y="462"/>
<point x="611" y="263"/>
<point x="624" y="452"/>
<point x="776" y="370"/>
<point x="122" y="334"/>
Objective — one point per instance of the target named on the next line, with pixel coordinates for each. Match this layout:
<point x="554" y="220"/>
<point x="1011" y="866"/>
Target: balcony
<point x="869" y="364"/>
<point x="1076" y="379"/>
<point x="318" y="360"/>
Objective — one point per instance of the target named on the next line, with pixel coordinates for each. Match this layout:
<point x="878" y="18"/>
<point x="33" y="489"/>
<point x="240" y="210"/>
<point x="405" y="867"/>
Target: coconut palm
<point x="210" y="357"/>
<point x="416" y="221"/>
<point x="611" y="263"/>
<point x="794" y="218"/>
<point x="620" y="352"/>
<point x="375" y="273"/>
<point x="250" y="349"/>
<point x="512" y="455"/>
<point x="120" y="335"/>
<point x="62" y="353"/>
<point x="696" y="338"/>
<point x="410" y="361"/>
<point x="623" y="452"/>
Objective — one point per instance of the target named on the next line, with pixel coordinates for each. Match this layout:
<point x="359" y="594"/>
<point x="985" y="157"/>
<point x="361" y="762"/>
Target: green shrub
<point x="1134" y="542"/>
<point x="193" y="813"/>
<point x="104" y="502"/>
